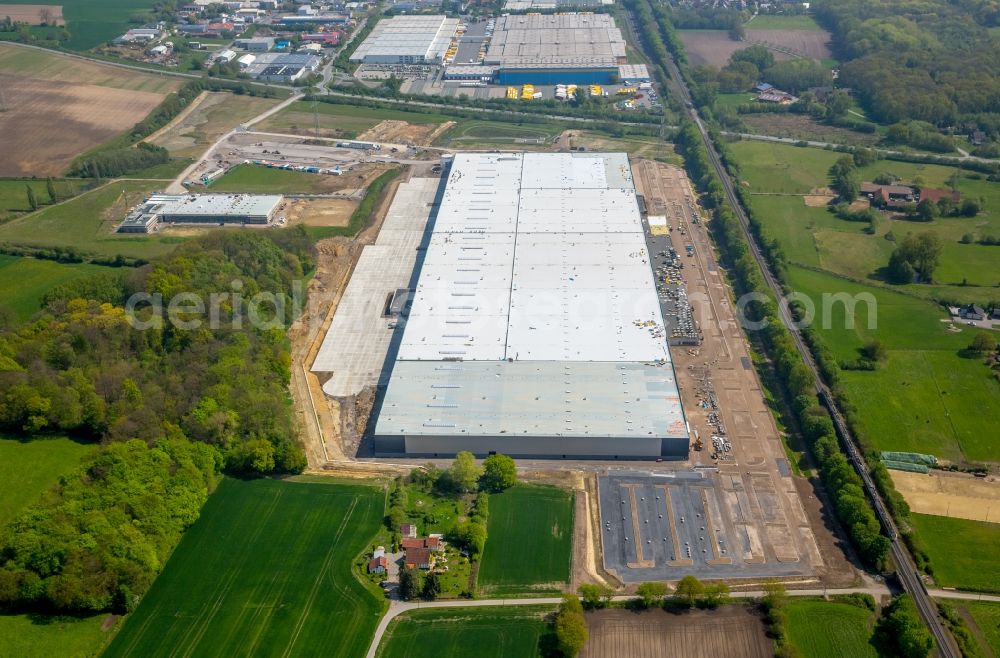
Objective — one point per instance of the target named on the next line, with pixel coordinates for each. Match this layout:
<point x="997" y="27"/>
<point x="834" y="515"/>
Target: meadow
<point x="963" y="552"/>
<point x="29" y="468"/>
<point x="348" y="121"/>
<point x="987" y="618"/>
<point x="529" y="541"/>
<point x="266" y="571"/>
<point x="508" y="632"/>
<point x="88" y="221"/>
<point x="24" y="281"/>
<point x="825" y="629"/>
<point x="14" y="193"/>
<point x="31" y="636"/>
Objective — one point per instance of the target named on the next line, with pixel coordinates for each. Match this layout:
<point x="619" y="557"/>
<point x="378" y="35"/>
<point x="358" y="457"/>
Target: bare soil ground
<point x="47" y="65"/>
<point x="793" y="528"/>
<point x="797" y="126"/>
<point x="714" y="47"/>
<point x="53" y="122"/>
<point x="956" y="495"/>
<point x="638" y="147"/>
<point x="32" y="14"/>
<point x="731" y="631"/>
<point x="320" y="212"/>
<point x="401" y="132"/>
<point x="206" y="119"/>
<point x="818" y="200"/>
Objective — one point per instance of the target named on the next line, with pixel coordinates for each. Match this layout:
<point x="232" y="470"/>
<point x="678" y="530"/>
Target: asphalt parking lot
<point x="666" y="526"/>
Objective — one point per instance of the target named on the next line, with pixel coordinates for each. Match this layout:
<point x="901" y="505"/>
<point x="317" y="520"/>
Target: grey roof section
<point x="216" y="204"/>
<point x="534" y="40"/>
<point x="419" y="37"/>
<point x="533" y="398"/>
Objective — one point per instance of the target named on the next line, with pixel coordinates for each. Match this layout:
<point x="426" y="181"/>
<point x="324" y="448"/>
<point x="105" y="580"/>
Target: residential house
<point x="776" y="96"/>
<point x="419" y="558"/>
<point x="379" y="562"/>
<point x="977" y="137"/>
<point x="435" y="542"/>
<point x="995" y="314"/>
<point x="408" y="530"/>
<point x="762" y="87"/>
<point x="411" y="542"/>
<point x="889" y="196"/>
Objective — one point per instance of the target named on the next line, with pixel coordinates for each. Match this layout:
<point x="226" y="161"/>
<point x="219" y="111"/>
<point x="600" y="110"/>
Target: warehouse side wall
<point x="549" y="447"/>
<point x="582" y="76"/>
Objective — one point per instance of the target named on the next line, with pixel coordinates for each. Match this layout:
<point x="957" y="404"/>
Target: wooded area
<point x="173" y="404"/>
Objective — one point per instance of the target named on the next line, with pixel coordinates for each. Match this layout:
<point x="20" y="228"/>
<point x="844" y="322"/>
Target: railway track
<point x="906" y="571"/>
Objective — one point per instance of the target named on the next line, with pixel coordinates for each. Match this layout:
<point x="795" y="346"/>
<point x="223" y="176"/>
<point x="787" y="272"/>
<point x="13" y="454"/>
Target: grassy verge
<point x="28" y="468"/>
<point x="31" y="636"/>
<point x="25" y="281"/>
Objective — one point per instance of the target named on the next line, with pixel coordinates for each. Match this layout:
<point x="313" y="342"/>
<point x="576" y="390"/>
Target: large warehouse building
<point x="535" y="327"/>
<point x="556" y="49"/>
<point x="408" y="40"/>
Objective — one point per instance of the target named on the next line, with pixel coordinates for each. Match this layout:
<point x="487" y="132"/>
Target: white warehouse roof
<point x="536" y="257"/>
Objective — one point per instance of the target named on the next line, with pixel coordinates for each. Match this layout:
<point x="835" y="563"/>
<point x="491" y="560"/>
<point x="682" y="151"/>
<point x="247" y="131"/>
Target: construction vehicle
<point x="624" y="91"/>
<point x="527" y="92"/>
<point x="512" y="93"/>
<point x="595" y="90"/>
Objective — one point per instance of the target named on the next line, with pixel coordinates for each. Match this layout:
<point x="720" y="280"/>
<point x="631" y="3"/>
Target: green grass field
<point x="529" y="541"/>
<point x="987" y="618"/>
<point x="349" y="120"/>
<point x="28" y="468"/>
<point x="255" y="179"/>
<point x="92" y="22"/>
<point x="88" y="222"/>
<point x="14" y="193"/>
<point x="825" y="629"/>
<point x="509" y="632"/>
<point x="962" y="552"/>
<point x="265" y="571"/>
<point x="28" y="636"/>
<point x="733" y="100"/>
<point x="468" y="132"/>
<point x="24" y="281"/>
<point x="765" y="22"/>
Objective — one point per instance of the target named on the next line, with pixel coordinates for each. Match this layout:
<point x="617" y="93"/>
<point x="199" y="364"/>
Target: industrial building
<point x="283" y="67"/>
<point x="535" y="327"/>
<point x="556" y="49"/>
<point x="200" y="209"/>
<point x="550" y="5"/>
<point x="408" y="40"/>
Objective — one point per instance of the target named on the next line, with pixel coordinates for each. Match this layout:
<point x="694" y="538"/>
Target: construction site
<point x="490" y="313"/>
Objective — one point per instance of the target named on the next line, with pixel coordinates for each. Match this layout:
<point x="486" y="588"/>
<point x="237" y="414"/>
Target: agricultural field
<point x="963" y="553"/>
<point x="28" y="468"/>
<point x="24" y="281"/>
<point x="730" y="630"/>
<point x="508" y="632"/>
<point x="31" y="636"/>
<point x="92" y="22"/>
<point x="266" y="571"/>
<point x="87" y="223"/>
<point x="714" y="47"/>
<point x="778" y="22"/>
<point x="987" y="619"/>
<point x="33" y="14"/>
<point x="346" y="121"/>
<point x="529" y="541"/>
<point x="825" y="629"/>
<point x="204" y="120"/>
<point x="66" y="107"/>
